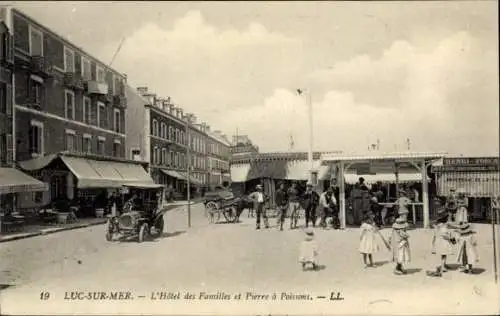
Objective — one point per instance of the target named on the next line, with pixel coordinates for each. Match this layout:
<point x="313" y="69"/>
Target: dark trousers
<point x="330" y="212"/>
<point x="282" y="214"/>
<point x="311" y="215"/>
<point x="261" y="212"/>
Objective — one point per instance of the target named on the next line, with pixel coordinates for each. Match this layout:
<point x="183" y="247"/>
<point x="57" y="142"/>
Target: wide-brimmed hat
<point x="309" y="231"/>
<point x="466" y="229"/>
<point x="400" y="224"/>
<point x="309" y="184"/>
<point x="259" y="186"/>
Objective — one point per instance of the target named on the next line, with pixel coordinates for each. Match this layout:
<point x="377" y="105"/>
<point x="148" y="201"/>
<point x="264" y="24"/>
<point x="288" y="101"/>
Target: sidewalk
<point x="37" y="230"/>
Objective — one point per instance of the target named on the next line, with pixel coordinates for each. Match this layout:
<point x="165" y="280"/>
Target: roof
<point x="218" y="138"/>
<point x="382" y="156"/>
<point x="277" y="156"/>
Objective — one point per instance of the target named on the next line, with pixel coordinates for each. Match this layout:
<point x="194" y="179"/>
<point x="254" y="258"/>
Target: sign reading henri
<point x="469" y="164"/>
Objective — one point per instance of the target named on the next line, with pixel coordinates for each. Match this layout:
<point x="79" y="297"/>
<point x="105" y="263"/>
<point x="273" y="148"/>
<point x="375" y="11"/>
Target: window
<point x="116" y="148"/>
<point x="101" y="115"/>
<point x="176" y="159"/>
<point x="155" y="128"/>
<point x="136" y="154"/>
<point x="164" y="156"/>
<point x="36" y="138"/>
<point x="35" y="92"/>
<point x="69" y="102"/>
<point x="117" y="121"/>
<point x="70" y="140"/>
<point x="36" y="42"/>
<point x="3" y="149"/>
<point x="3" y="99"/>
<point x="86" y="69"/>
<point x="162" y="130"/>
<point x="172" y="159"/>
<point x="87" y="144"/>
<point x="87" y="110"/>
<point x="100" y="76"/>
<point x="170" y="132"/>
<point x="100" y="146"/>
<point x="69" y="60"/>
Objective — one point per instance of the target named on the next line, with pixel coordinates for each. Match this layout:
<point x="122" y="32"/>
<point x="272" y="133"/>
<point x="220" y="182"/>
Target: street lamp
<point x="312" y="172"/>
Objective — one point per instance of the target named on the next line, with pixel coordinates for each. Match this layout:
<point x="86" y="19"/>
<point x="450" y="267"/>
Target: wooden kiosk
<point x="374" y="163"/>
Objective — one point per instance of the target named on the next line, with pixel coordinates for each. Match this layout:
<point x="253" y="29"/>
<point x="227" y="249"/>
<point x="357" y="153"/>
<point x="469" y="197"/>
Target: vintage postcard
<point x="249" y="158"/>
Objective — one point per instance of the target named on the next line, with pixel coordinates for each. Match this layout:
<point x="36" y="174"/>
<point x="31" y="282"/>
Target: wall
<point x="135" y="127"/>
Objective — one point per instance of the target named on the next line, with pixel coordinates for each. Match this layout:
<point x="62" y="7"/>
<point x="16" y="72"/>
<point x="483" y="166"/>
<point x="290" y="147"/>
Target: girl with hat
<point x="400" y="245"/>
<point x="367" y="243"/>
<point x="442" y="242"/>
<point x="467" y="251"/>
<point x="308" y="250"/>
<point x="403" y="203"/>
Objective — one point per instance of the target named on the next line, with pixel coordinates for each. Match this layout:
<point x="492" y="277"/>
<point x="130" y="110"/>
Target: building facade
<point x="218" y="152"/>
<point x="6" y="105"/>
<point x="65" y="102"/>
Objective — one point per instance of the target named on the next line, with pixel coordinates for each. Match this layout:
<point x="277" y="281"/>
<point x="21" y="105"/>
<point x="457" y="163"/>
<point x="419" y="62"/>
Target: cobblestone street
<point x="223" y="259"/>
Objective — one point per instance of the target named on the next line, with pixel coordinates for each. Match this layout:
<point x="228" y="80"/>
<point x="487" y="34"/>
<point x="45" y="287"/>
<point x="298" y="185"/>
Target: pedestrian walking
<point x="259" y="198"/>
<point x="467" y="254"/>
<point x="308" y="250"/>
<point x="328" y="203"/>
<point x="442" y="243"/>
<point x="367" y="241"/>
<point x="462" y="215"/>
<point x="451" y="204"/>
<point x="311" y="201"/>
<point x="294" y="205"/>
<point x="400" y="245"/>
<point x="281" y="197"/>
<point x="403" y="203"/>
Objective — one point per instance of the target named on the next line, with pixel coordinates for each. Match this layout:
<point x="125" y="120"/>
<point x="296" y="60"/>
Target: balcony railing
<point x="120" y="101"/>
<point x="95" y="87"/>
<point x="74" y="80"/>
<point x="41" y="66"/>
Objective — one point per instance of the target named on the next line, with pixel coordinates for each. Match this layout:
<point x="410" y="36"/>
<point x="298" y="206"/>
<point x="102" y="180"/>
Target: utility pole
<point x="310" y="152"/>
<point x="188" y="155"/>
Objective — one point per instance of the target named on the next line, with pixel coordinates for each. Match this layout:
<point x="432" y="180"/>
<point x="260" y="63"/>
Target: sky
<point x="426" y="72"/>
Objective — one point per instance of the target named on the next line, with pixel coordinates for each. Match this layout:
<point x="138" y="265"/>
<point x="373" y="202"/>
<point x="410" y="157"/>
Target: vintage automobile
<point x="145" y="222"/>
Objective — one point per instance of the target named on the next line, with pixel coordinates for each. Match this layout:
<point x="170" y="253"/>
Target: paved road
<point x="232" y="258"/>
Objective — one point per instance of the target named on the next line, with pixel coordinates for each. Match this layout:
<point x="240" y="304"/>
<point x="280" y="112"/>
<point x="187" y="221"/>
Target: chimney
<point x="124" y="78"/>
<point x="142" y="90"/>
<point x="193" y="118"/>
<point x="181" y="112"/>
<point x="208" y="128"/>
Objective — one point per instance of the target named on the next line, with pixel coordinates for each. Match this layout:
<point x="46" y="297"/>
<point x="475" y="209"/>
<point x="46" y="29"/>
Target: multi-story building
<point x="69" y="114"/>
<point x="12" y="181"/>
<point x="218" y="158"/>
<point x="157" y="132"/>
<point x="198" y="150"/>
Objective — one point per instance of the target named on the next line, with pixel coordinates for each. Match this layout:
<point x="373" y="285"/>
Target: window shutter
<point x="9" y="48"/>
<point x="8" y="99"/>
<point x="10" y="150"/>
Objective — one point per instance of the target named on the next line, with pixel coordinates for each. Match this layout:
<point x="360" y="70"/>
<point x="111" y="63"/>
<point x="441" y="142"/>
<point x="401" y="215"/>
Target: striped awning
<point x="352" y="178"/>
<point x="239" y="172"/>
<point x="15" y="181"/>
<point x="299" y="170"/>
<point x="271" y="169"/>
<point x="174" y="174"/>
<point x="475" y="184"/>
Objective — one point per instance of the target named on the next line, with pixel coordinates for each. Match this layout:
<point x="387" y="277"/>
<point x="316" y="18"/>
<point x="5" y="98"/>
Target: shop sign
<point x="468" y="164"/>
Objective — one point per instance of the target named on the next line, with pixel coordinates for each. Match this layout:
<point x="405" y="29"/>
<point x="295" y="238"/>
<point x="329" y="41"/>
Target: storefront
<point x="478" y="177"/>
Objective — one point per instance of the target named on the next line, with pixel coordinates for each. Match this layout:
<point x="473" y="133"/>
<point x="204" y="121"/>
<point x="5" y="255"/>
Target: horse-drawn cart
<point x="223" y="204"/>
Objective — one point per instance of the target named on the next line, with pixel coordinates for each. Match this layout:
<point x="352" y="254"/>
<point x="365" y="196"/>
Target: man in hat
<point x="259" y="198"/>
<point x="281" y="197"/>
<point x="328" y="203"/>
<point x="452" y="203"/>
<point x="311" y="201"/>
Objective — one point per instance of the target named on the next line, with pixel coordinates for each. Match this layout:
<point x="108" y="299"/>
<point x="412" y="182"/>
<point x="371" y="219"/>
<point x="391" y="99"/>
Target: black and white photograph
<point x="249" y="158"/>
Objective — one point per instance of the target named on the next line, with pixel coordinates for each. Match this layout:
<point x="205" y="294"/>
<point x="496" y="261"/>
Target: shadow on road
<point x="413" y="270"/>
<point x="173" y="234"/>
<point x="380" y="263"/>
<point x="5" y="286"/>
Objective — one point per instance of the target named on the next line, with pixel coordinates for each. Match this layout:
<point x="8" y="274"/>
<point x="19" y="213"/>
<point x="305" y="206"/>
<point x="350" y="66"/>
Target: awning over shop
<point x="106" y="174"/>
<point x="37" y="163"/>
<point x="475" y="184"/>
<point x="15" y="181"/>
<point x="174" y="174"/>
<point x="299" y="170"/>
<point x="239" y="172"/>
<point x="273" y="169"/>
<point x="352" y="178"/>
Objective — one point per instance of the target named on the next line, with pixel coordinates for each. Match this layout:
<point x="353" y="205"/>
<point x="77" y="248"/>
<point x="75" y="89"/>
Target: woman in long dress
<point x="367" y="242"/>
<point x="442" y="242"/>
<point x="462" y="215"/>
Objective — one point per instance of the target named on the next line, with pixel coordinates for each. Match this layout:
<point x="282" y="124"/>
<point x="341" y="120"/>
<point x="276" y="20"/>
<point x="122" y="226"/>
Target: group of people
<point x="290" y="201"/>
<point x="452" y="234"/>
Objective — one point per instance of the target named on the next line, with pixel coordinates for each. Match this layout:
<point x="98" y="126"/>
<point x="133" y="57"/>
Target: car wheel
<point x="160" y="224"/>
<point x="143" y="232"/>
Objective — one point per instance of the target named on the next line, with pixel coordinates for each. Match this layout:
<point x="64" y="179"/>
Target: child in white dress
<point x="442" y="242"/>
<point x="308" y="250"/>
<point x="367" y="241"/>
<point x="400" y="245"/>
<point x="467" y="248"/>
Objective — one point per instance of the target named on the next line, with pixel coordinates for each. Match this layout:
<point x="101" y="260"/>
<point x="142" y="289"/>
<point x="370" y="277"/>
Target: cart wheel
<point x="109" y="231"/>
<point x="211" y="208"/>
<point x="143" y="232"/>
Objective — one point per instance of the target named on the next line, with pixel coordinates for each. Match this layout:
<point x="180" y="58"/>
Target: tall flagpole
<point x="310" y="116"/>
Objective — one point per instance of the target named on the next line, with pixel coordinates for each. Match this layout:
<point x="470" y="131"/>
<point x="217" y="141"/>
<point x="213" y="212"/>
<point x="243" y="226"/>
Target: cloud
<point x="445" y="99"/>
